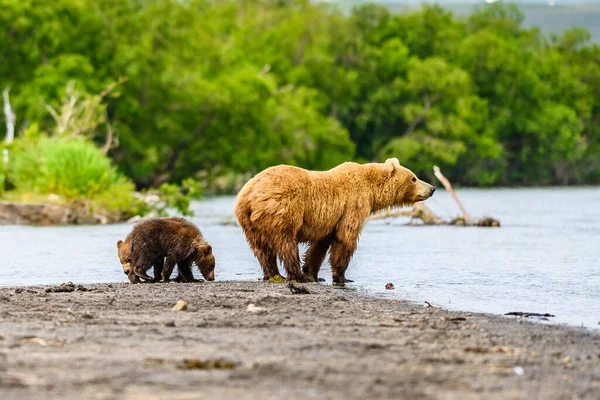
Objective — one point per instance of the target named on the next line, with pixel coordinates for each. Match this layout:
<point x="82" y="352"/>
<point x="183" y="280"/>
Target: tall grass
<point x="69" y="168"/>
<point x="76" y="168"/>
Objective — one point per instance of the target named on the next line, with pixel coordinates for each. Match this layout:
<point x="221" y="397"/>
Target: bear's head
<point x="402" y="186"/>
<point x="206" y="262"/>
<point x="124" y="252"/>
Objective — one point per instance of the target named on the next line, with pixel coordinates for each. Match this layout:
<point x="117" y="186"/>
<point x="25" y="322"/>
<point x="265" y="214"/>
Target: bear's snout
<point x="425" y="191"/>
<point x="210" y="276"/>
<point x="126" y="272"/>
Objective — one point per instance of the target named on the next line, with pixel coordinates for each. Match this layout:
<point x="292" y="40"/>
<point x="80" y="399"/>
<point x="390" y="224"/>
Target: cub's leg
<point x="185" y="273"/>
<point x="168" y="268"/>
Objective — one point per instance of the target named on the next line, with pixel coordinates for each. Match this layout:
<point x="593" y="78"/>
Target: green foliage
<point x="262" y="82"/>
<point x="120" y="198"/>
<point x="3" y="172"/>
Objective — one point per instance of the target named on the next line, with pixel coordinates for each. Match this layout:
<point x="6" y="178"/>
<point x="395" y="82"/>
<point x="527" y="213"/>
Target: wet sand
<point x="255" y="340"/>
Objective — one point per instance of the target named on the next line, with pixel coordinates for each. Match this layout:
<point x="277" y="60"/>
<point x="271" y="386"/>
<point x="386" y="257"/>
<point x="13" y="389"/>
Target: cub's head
<point x="124" y="252"/>
<point x="205" y="261"/>
<point x="402" y="186"/>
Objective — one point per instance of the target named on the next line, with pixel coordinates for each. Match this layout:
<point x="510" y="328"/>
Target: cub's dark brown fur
<point x="174" y="240"/>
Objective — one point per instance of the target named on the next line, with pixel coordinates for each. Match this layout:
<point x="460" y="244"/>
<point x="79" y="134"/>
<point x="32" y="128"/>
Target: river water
<point x="544" y="258"/>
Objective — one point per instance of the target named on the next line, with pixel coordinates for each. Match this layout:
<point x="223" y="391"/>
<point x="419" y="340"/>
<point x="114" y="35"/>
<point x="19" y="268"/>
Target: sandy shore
<point x="254" y="340"/>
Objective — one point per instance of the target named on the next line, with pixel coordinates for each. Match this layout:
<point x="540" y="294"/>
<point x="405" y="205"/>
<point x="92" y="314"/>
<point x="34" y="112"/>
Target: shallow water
<point x="544" y="258"/>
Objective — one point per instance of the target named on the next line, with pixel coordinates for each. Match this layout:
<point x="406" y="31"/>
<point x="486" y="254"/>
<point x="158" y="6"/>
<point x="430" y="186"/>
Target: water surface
<point x="544" y="258"/>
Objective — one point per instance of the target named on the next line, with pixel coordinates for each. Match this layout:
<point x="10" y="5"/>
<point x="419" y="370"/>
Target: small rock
<point x="390" y="286"/>
<point x="153" y="361"/>
<point x="255" y="310"/>
<point x="519" y="371"/>
<point x="180" y="306"/>
<point x="296" y="289"/>
<point x="428" y="304"/>
<point x="170" y="324"/>
<point x="18" y="290"/>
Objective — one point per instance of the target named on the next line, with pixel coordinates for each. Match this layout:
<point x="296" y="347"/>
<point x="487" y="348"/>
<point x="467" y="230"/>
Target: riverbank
<point x="255" y="340"/>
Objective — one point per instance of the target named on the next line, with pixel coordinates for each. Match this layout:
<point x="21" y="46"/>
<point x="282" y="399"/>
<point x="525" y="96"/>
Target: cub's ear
<point x="119" y="243"/>
<point x="391" y="164"/>
<point x="205" y="249"/>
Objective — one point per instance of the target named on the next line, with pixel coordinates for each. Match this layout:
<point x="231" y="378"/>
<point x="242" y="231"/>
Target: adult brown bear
<point x="285" y="205"/>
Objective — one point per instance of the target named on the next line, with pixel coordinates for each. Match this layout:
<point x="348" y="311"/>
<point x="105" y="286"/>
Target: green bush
<point x="72" y="169"/>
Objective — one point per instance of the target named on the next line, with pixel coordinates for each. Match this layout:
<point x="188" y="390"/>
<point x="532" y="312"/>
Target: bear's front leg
<point x="339" y="258"/>
<point x="185" y="273"/>
<point x="344" y="244"/>
<point x="158" y="267"/>
<point x="141" y="272"/>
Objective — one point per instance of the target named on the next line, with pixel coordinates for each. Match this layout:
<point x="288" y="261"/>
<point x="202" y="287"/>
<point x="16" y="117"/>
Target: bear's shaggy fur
<point x="162" y="243"/>
<point x="285" y="205"/>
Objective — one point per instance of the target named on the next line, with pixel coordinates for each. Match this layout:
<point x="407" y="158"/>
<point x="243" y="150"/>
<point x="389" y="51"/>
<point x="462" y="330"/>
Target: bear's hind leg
<point x="268" y="263"/>
<point x="168" y="268"/>
<point x="158" y="267"/>
<point x="288" y="253"/>
<point x="314" y="258"/>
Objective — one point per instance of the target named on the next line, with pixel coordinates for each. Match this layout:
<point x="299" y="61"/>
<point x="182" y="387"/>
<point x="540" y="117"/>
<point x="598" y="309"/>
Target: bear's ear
<point x="205" y="249"/>
<point x="119" y="243"/>
<point x="391" y="164"/>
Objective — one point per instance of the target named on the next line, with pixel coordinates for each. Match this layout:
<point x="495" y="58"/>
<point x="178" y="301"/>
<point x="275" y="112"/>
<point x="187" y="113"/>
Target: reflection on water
<point x="544" y="258"/>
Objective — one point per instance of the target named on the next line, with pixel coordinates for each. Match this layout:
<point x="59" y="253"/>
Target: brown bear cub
<point x="161" y="243"/>
<point x="285" y="205"/>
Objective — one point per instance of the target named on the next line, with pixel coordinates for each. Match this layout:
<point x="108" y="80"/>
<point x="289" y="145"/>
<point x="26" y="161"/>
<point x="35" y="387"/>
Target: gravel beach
<point x="256" y="340"/>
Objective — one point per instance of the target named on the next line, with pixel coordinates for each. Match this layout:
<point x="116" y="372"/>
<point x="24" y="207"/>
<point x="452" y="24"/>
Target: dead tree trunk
<point x="10" y="123"/>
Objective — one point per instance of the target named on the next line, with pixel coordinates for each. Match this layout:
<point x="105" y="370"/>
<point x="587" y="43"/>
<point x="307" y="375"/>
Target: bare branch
<point x="427" y="103"/>
<point x="52" y="112"/>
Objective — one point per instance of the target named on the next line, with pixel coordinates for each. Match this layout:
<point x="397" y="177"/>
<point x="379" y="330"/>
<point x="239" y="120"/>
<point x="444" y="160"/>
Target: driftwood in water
<point x="423" y="213"/>
<point x="528" y="314"/>
<point x="418" y="212"/>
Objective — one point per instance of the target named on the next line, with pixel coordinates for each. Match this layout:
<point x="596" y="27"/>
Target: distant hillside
<point x="537" y="13"/>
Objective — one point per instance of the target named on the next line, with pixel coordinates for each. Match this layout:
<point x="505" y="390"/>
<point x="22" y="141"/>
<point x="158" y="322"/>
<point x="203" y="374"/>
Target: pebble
<point x="180" y="306"/>
<point x="255" y="309"/>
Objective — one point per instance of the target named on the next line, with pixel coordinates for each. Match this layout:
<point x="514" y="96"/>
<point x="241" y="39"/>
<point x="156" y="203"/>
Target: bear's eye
<point x="129" y="260"/>
<point x="414" y="179"/>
